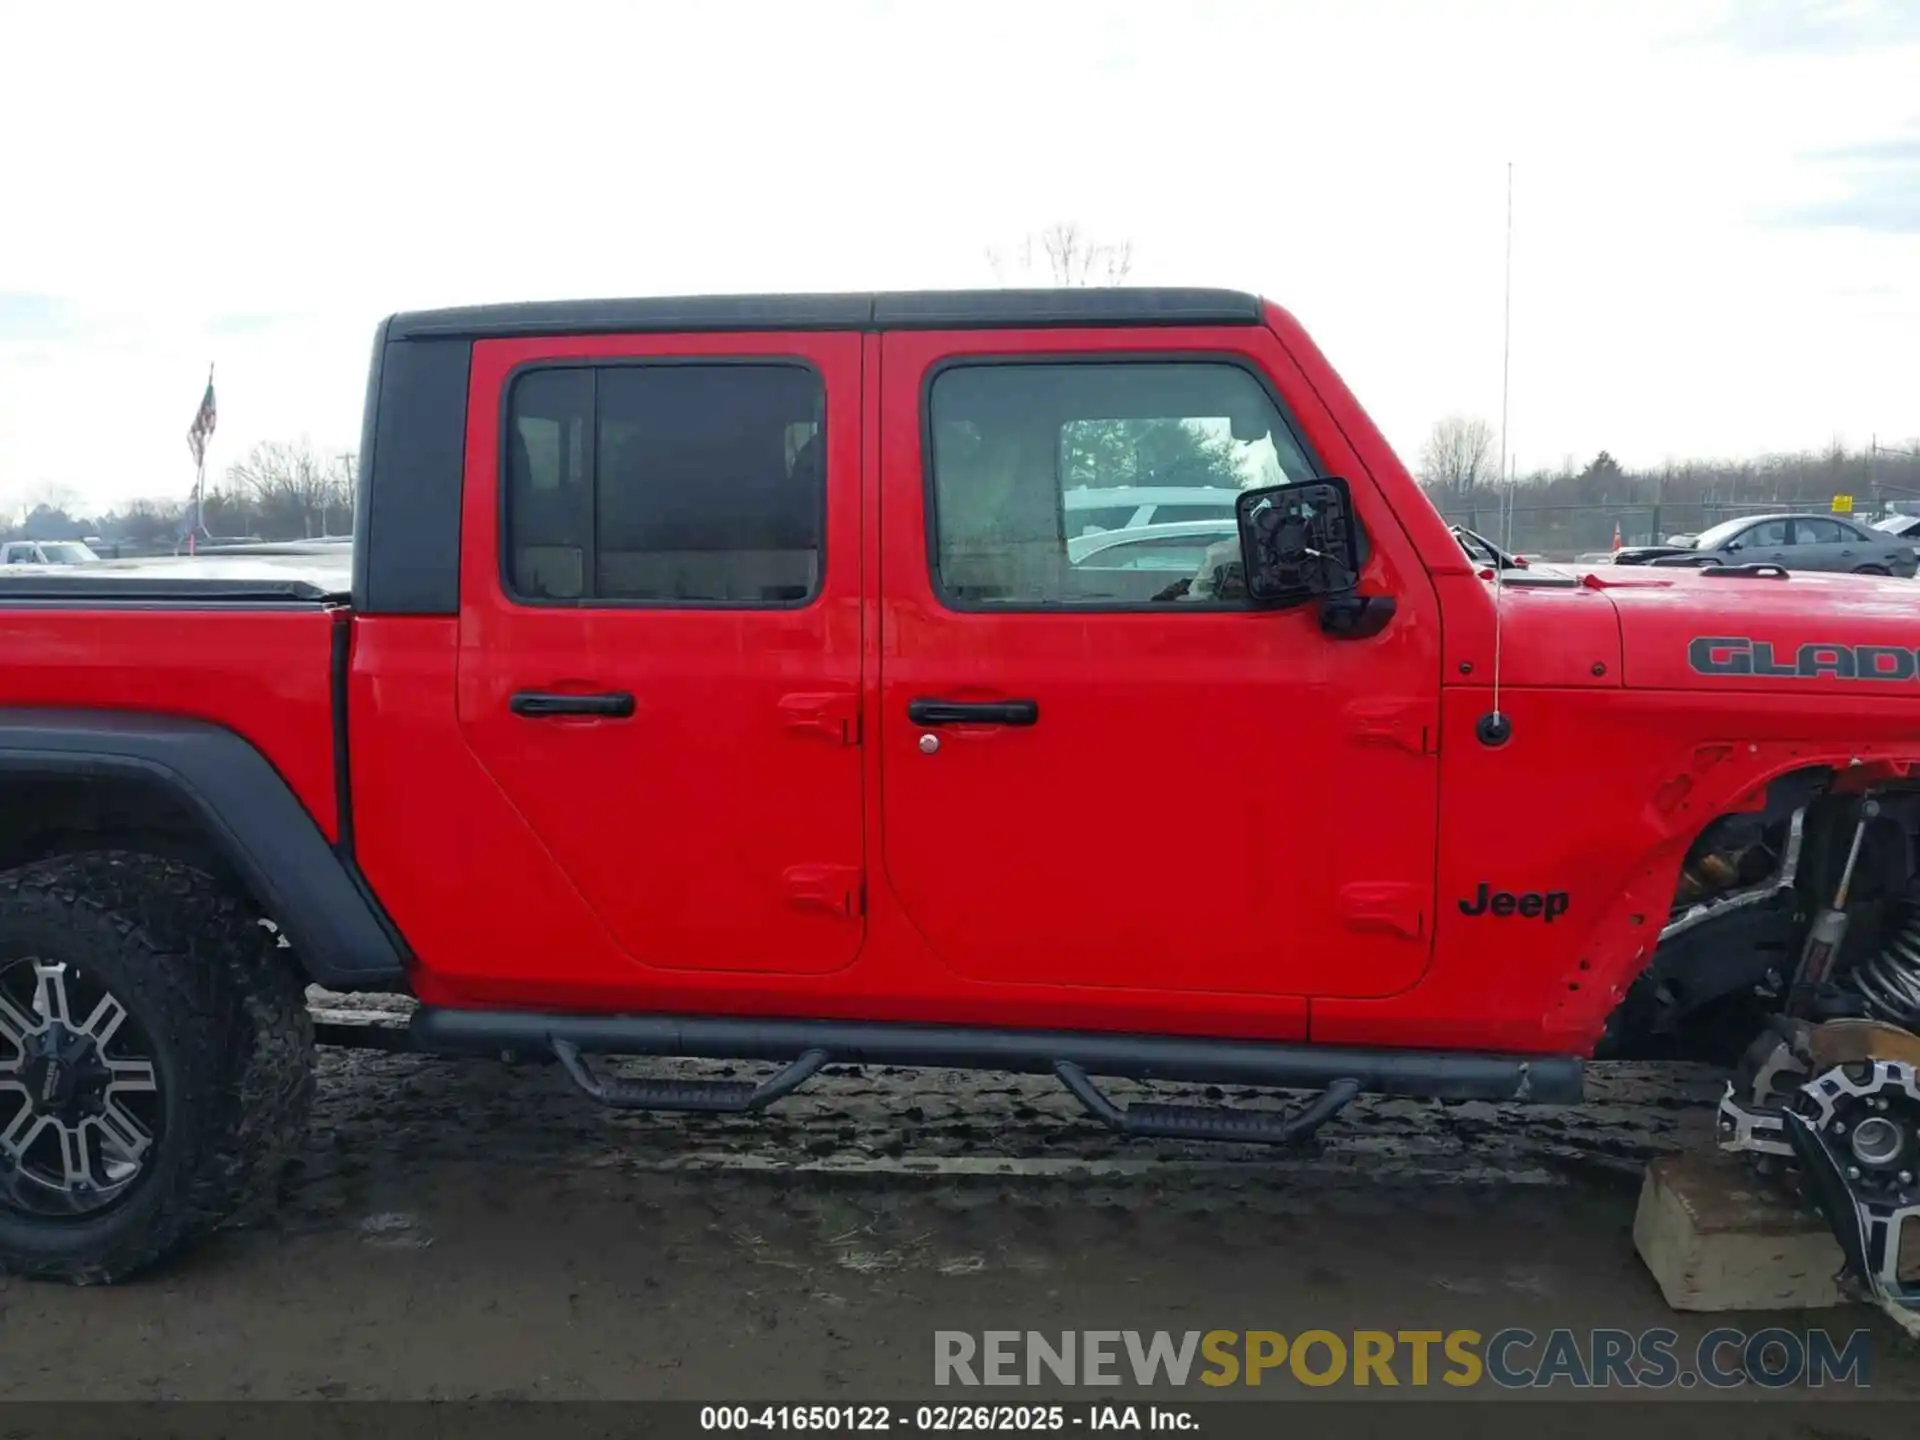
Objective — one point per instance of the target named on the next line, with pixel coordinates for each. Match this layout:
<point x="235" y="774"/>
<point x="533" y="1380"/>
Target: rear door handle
<point x="537" y="704"/>
<point x="973" y="712"/>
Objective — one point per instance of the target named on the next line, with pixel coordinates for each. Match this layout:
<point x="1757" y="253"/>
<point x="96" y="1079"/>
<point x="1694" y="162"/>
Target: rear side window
<point x="1820" y="532"/>
<point x="1035" y="467"/>
<point x="666" y="484"/>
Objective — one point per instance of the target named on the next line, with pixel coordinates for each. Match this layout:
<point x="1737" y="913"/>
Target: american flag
<point x="202" y="430"/>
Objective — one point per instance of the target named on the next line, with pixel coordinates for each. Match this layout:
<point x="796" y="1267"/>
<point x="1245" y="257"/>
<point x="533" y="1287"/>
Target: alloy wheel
<point x="80" y="1102"/>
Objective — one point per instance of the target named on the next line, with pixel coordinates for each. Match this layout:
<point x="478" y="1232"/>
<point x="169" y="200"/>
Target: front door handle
<point x="973" y="712"/>
<point x="537" y="704"/>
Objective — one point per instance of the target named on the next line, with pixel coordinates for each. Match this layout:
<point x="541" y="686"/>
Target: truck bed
<point x="295" y="574"/>
<point x="253" y="652"/>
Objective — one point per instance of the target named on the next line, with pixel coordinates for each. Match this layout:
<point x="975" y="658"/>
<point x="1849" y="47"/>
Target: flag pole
<point x="199" y="521"/>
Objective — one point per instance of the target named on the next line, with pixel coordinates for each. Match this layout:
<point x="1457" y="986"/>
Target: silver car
<point x="1798" y="542"/>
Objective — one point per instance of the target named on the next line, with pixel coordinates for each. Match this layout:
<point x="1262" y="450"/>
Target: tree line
<point x="281" y="490"/>
<point x="1577" y="507"/>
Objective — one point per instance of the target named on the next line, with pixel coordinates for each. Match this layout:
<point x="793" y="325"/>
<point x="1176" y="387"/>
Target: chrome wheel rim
<point x="80" y="1103"/>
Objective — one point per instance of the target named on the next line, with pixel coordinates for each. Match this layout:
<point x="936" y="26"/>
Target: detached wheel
<point x="156" y="1063"/>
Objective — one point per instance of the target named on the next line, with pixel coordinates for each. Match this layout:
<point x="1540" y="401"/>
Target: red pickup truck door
<point x="1094" y="772"/>
<point x="660" y="633"/>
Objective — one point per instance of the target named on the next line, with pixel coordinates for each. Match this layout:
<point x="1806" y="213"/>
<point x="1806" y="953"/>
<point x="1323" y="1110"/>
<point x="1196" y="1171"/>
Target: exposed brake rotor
<point x="1848" y="1138"/>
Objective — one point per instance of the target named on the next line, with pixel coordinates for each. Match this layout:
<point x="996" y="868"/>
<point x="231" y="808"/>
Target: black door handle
<point x="973" y="712"/>
<point x="535" y="704"/>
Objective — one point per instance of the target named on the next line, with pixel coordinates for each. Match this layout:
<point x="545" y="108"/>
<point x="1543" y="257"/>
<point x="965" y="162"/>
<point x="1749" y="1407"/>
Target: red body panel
<point x="1225" y="823"/>
<point x="263" y="673"/>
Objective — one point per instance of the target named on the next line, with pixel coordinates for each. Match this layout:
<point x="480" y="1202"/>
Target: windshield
<point x="1714" y="538"/>
<point x="67" y="552"/>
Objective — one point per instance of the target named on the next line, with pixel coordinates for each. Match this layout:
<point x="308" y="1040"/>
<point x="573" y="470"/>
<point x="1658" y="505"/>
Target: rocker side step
<point x="1206" y="1122"/>
<point x="710" y="1097"/>
<point x="1440" y="1075"/>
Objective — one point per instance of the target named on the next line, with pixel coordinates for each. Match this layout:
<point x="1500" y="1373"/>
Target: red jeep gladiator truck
<point x="797" y="680"/>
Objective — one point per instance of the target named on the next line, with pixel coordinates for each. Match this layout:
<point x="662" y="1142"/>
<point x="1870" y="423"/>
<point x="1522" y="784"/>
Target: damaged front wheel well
<point x="1728" y="941"/>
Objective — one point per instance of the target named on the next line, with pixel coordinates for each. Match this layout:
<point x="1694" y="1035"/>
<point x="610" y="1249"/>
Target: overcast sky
<point x="1717" y="202"/>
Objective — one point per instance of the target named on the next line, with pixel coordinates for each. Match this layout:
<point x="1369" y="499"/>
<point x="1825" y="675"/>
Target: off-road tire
<point x="225" y="1010"/>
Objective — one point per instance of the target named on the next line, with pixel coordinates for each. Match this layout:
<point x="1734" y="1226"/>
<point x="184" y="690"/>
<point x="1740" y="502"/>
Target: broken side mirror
<point x="1297" y="541"/>
<point x="1300" y="542"/>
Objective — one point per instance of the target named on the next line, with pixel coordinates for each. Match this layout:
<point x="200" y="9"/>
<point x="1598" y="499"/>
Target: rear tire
<point x="94" y="1188"/>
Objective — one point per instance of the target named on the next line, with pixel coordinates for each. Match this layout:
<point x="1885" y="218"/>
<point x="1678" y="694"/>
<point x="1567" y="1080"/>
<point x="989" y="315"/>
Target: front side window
<point x="693" y="484"/>
<point x="1098" y="483"/>
<point x="1768" y="535"/>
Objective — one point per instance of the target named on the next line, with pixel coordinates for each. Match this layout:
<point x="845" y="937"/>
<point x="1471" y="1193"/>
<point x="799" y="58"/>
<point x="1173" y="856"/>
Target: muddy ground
<point x="465" y="1229"/>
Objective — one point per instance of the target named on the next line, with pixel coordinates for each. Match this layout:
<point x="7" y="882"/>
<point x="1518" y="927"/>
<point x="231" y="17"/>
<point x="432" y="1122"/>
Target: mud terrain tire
<point x="222" y="1012"/>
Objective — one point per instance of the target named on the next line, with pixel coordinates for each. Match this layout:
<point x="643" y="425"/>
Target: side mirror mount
<point x="1299" y="542"/>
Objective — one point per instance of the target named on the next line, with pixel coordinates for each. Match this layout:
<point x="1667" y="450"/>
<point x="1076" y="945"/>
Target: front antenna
<point x="1494" y="728"/>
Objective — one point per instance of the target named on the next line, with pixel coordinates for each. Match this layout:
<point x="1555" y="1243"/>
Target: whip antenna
<point x="1494" y="727"/>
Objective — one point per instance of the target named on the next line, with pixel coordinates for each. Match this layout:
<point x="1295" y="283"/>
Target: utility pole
<point x="346" y="472"/>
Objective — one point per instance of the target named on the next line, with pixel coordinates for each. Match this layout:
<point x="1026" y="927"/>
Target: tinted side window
<point x="671" y="484"/>
<point x="1024" y="455"/>
<point x="549" y="489"/>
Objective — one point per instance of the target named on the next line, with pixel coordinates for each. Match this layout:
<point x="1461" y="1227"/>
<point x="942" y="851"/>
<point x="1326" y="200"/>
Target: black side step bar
<point x="1206" y="1122"/>
<point x="711" y="1097"/>
<point x="1428" y="1074"/>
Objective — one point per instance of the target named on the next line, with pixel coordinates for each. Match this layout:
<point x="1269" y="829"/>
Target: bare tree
<point x="297" y="491"/>
<point x="1064" y="254"/>
<point x="53" y="495"/>
<point x="1458" y="456"/>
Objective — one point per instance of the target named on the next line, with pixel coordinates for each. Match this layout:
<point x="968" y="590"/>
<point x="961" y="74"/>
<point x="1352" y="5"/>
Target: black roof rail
<point x="1755" y="571"/>
<point x="884" y="310"/>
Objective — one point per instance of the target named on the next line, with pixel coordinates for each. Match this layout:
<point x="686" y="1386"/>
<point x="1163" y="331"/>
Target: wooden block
<point x="1719" y="1237"/>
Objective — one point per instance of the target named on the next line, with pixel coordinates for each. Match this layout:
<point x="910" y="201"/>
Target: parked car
<point x="1102" y="509"/>
<point x="717" y="678"/>
<point x="46" y="552"/>
<point x="1178" y="545"/>
<point x="1797" y="542"/>
<point x="1904" y="527"/>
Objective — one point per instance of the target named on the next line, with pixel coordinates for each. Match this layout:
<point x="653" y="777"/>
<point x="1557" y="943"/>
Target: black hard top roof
<point x="887" y="310"/>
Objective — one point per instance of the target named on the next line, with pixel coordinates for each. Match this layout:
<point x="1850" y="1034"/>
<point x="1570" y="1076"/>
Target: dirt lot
<point x="470" y="1230"/>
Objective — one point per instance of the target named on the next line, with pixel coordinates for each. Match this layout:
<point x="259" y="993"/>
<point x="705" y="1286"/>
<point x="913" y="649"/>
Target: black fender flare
<point x="314" y="893"/>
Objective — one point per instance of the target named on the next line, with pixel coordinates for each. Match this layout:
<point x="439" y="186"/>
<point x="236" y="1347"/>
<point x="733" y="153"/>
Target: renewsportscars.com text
<point x="1723" y="1358"/>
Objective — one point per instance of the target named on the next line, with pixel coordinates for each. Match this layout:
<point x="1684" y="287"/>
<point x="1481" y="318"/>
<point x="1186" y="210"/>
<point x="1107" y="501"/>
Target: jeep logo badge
<point x="1547" y="905"/>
